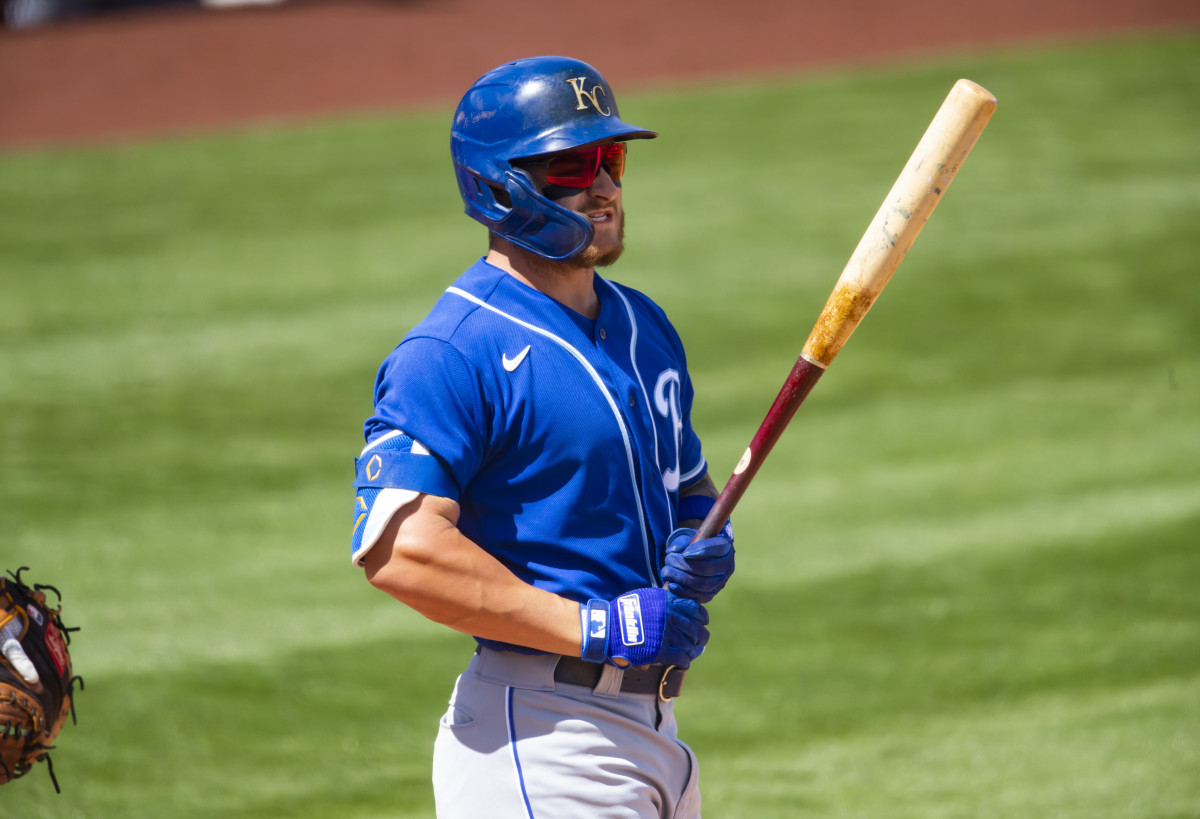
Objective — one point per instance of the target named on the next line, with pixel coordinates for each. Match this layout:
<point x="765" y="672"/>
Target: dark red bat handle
<point x="799" y="383"/>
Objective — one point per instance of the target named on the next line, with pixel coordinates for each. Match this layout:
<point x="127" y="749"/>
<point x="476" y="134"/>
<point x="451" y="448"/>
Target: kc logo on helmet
<point x="583" y="97"/>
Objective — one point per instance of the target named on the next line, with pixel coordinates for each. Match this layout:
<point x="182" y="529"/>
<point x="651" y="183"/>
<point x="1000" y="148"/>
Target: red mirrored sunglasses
<point x="579" y="169"/>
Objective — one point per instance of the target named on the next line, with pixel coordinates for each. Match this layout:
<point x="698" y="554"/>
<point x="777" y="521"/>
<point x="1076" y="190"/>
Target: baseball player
<point x="531" y="475"/>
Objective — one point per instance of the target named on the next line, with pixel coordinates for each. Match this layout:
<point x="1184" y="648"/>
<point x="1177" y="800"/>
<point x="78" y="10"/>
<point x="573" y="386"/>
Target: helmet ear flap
<point x="553" y="232"/>
<point x="485" y="201"/>
<point x="528" y="220"/>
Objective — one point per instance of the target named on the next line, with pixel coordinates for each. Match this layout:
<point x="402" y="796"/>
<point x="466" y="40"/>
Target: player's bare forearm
<point x="424" y="561"/>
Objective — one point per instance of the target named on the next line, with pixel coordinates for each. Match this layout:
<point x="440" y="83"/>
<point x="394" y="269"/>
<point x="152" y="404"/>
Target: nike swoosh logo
<point x="511" y="364"/>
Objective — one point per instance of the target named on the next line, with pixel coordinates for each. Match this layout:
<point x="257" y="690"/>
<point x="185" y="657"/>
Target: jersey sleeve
<point x="426" y="435"/>
<point x="430" y="391"/>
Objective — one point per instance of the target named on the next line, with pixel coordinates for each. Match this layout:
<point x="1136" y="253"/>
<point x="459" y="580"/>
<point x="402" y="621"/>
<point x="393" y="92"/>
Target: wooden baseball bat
<point x="929" y="171"/>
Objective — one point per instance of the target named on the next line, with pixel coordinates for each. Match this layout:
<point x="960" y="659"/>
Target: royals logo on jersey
<point x="667" y="404"/>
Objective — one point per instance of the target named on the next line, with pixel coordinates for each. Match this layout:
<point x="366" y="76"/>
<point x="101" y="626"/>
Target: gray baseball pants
<point x="516" y="744"/>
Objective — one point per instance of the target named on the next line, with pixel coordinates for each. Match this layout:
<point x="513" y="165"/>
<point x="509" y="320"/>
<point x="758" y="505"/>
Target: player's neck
<point x="566" y="283"/>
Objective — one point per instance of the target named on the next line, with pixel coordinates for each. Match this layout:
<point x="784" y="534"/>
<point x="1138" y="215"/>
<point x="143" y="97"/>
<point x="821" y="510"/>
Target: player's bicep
<point x="413" y="532"/>
<point x="392" y="471"/>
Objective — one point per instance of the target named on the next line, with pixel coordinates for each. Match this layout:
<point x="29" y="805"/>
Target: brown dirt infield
<point x="180" y="69"/>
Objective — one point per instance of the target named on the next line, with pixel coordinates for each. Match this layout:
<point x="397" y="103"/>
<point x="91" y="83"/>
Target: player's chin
<point x="606" y="247"/>
<point x="595" y="256"/>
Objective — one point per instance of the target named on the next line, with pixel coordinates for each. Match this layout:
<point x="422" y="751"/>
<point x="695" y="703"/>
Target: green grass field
<point x="969" y="577"/>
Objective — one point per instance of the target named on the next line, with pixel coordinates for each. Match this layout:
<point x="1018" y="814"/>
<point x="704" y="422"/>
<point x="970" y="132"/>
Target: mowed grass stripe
<point x="981" y="685"/>
<point x="1110" y="753"/>
<point x="1005" y="673"/>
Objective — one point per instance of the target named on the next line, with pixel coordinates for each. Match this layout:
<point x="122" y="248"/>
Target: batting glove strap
<point x="594" y="619"/>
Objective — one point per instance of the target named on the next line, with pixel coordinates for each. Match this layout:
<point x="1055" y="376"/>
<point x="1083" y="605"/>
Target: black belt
<point x="664" y="680"/>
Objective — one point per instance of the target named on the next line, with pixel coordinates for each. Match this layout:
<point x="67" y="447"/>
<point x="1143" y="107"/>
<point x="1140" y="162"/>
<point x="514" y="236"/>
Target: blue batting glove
<point x="698" y="570"/>
<point x="644" y="627"/>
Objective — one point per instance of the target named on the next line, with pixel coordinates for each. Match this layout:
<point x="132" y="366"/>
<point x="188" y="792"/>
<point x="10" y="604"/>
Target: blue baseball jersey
<point x="565" y="441"/>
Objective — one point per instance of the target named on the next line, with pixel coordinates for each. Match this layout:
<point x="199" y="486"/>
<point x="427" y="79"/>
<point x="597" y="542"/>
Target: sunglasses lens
<point x="613" y="157"/>
<point x="579" y="168"/>
<point x="574" y="170"/>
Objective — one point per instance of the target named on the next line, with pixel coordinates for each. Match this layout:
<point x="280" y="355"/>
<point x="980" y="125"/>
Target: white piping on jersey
<point x="645" y="396"/>
<point x="686" y="477"/>
<point x="698" y="468"/>
<point x="616" y="411"/>
<point x="417" y="447"/>
<point x="379" y="441"/>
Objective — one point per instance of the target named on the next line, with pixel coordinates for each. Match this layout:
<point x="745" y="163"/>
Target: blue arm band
<point x="695" y="507"/>
<point x="381" y="469"/>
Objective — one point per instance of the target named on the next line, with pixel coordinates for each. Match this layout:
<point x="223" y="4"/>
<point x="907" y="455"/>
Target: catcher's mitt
<point x="35" y="676"/>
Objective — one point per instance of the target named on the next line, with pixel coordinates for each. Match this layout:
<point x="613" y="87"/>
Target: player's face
<point x="600" y="202"/>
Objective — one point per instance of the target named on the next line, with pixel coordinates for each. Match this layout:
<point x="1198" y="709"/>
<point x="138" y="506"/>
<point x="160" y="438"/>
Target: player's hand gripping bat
<point x="918" y="189"/>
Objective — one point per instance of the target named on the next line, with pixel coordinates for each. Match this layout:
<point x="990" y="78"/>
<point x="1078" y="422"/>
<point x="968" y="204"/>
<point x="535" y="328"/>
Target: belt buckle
<point x="662" y="682"/>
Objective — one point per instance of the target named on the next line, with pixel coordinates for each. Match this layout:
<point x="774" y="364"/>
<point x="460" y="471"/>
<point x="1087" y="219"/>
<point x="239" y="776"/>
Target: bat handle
<point x="795" y="389"/>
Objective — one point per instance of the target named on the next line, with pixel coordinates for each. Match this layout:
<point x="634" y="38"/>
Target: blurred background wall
<point x="74" y="70"/>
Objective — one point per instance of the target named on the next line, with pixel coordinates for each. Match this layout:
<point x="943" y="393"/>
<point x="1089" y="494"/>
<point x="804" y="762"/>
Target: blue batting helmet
<point x="525" y="109"/>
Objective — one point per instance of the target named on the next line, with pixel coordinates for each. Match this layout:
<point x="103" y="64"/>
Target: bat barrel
<point x="929" y="171"/>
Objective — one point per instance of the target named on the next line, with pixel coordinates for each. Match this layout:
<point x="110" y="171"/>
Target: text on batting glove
<point x="644" y="627"/>
<point x="697" y="570"/>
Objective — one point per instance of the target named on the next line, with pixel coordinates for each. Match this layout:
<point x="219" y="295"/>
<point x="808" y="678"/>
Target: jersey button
<point x="603" y="335"/>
